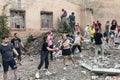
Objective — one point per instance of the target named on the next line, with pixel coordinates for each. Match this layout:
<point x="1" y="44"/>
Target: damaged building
<point x="37" y="16"/>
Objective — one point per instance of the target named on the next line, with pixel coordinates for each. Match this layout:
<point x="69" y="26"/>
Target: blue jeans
<point x="97" y="48"/>
<point x="44" y="58"/>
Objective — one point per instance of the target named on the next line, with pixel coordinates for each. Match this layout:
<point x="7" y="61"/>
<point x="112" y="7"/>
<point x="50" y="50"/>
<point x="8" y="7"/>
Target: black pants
<point x="72" y="24"/>
<point x="51" y="53"/>
<point x="19" y="52"/>
<point x="74" y="47"/>
<point x="44" y="58"/>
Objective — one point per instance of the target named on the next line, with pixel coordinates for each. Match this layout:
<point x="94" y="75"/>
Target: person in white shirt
<point x="86" y="32"/>
<point x="77" y="42"/>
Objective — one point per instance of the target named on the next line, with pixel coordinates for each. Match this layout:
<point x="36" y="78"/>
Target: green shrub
<point x="30" y="38"/>
<point x="4" y="30"/>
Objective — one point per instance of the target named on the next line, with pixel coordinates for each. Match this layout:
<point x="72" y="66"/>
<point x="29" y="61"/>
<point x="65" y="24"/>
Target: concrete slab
<point x="109" y="71"/>
<point x="86" y="66"/>
<point x="101" y="70"/>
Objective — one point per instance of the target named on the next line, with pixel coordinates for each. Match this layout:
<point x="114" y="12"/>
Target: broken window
<point x="46" y="19"/>
<point x="17" y="19"/>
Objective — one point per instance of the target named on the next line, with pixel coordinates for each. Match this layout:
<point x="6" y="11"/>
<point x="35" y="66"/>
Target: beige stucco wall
<point x="33" y="14"/>
<point x="104" y="10"/>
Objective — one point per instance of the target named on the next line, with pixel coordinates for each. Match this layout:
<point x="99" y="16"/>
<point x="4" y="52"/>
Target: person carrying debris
<point x="44" y="57"/>
<point x="16" y="41"/>
<point x="7" y="50"/>
<point x="65" y="44"/>
<point x="77" y="42"/>
<point x="98" y="43"/>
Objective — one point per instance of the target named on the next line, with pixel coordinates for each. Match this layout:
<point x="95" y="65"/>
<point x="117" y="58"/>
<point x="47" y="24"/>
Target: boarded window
<point x="46" y="19"/>
<point x="17" y="19"/>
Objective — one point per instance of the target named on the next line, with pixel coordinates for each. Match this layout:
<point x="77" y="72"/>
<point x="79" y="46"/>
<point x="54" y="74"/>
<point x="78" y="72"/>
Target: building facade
<point x="36" y="16"/>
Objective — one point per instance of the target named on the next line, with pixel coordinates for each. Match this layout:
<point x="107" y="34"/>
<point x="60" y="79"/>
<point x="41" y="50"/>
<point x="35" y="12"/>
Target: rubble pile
<point x="34" y="47"/>
<point x="28" y="68"/>
<point x="109" y="61"/>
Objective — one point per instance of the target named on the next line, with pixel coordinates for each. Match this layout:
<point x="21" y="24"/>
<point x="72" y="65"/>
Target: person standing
<point x="98" y="43"/>
<point x="113" y="26"/>
<point x="16" y="41"/>
<point x="86" y="32"/>
<point x="95" y="25"/>
<point x="92" y="31"/>
<point x="112" y="33"/>
<point x="66" y="50"/>
<point x="50" y="44"/>
<point x="107" y="26"/>
<point x="76" y="29"/>
<point x="72" y="21"/>
<point x="99" y="25"/>
<point x="77" y="43"/>
<point x="64" y="14"/>
<point x="118" y="31"/>
<point x="44" y="57"/>
<point x="7" y="50"/>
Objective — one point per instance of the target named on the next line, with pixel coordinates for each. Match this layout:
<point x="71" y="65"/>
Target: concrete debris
<point x="94" y="77"/>
<point x="110" y="64"/>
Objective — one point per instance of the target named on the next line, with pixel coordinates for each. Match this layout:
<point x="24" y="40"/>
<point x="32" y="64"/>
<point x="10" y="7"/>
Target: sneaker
<point x="64" y="68"/>
<point x="44" y="69"/>
<point x="81" y="55"/>
<point x="37" y="75"/>
<point x="48" y="73"/>
<point x="75" y="66"/>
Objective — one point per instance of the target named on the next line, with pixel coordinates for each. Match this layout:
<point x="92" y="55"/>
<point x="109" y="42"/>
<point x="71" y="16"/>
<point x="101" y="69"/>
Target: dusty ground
<point x="28" y="68"/>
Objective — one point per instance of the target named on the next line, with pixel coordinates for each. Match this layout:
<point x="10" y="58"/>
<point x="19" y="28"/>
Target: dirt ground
<point x="29" y="67"/>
